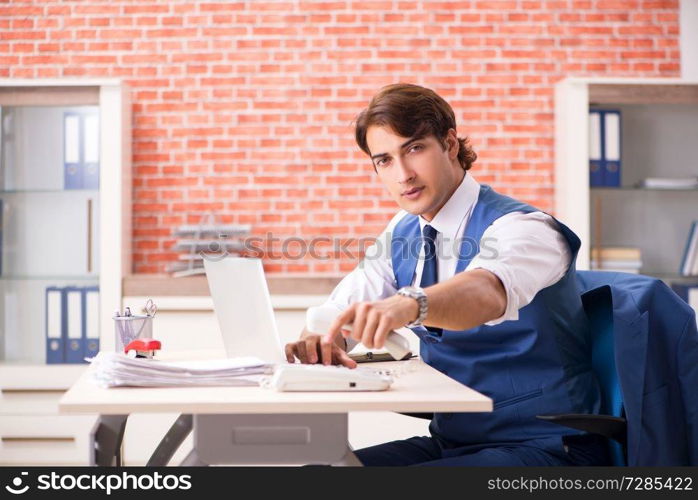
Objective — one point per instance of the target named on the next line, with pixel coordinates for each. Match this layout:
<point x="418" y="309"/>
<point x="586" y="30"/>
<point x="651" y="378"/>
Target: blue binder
<point x="690" y="252"/>
<point x="55" y="325"/>
<point x="91" y="176"/>
<point x="90" y="150"/>
<point x="2" y="218"/>
<point x="596" y="170"/>
<point x="72" y="151"/>
<point x="74" y="321"/>
<point x="611" y="147"/>
<point x="606" y="169"/>
<point x="90" y="306"/>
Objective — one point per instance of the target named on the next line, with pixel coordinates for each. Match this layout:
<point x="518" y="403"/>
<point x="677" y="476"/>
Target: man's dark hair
<point x="415" y="112"/>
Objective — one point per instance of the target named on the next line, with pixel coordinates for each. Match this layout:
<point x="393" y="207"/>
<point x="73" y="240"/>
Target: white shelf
<point x="573" y="196"/>
<point x="67" y="192"/>
<point x="112" y="210"/>
<point x="32" y="431"/>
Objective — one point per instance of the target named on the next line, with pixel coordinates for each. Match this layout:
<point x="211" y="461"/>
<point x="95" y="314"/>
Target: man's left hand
<point x="372" y="321"/>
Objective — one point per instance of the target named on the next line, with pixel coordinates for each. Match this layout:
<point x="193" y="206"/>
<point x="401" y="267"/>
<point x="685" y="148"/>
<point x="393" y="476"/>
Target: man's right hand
<point x="310" y="349"/>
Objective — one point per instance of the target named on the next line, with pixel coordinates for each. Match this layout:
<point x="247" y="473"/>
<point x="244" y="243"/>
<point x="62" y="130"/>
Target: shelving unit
<point x="658" y="136"/>
<point x="57" y="233"/>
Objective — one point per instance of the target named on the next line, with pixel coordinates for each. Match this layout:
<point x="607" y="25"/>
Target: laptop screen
<point x="242" y="305"/>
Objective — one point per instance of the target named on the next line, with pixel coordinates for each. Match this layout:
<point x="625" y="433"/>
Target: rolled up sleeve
<point x="527" y="252"/>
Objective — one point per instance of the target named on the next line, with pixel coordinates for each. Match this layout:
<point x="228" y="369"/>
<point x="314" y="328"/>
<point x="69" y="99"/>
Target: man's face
<point x="419" y="174"/>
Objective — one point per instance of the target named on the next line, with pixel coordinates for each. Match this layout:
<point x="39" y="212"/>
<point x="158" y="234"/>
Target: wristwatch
<point x="417" y="294"/>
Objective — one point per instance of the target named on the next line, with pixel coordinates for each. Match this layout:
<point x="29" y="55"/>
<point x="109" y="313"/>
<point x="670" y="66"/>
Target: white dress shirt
<point x="525" y="251"/>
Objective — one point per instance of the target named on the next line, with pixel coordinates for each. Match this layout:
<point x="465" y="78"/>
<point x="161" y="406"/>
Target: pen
<point x="128" y="327"/>
<point x="119" y="326"/>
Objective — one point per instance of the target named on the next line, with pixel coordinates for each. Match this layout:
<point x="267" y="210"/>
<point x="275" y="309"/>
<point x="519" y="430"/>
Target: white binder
<point x="54" y="326"/>
<point x="91" y="340"/>
<point x="73" y="347"/>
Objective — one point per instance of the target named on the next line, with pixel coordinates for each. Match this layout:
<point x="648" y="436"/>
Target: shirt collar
<point x="449" y="219"/>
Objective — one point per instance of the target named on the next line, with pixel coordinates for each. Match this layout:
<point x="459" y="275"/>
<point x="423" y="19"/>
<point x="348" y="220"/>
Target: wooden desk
<point x="254" y="425"/>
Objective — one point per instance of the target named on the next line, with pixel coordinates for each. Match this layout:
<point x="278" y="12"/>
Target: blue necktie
<point x="430" y="272"/>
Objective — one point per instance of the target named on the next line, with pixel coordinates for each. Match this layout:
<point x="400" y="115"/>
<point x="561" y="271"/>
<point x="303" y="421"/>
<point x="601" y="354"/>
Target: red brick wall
<point x="245" y="108"/>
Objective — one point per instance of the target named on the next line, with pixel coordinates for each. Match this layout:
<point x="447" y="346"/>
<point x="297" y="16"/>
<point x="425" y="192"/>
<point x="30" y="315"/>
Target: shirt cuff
<point x="511" y="311"/>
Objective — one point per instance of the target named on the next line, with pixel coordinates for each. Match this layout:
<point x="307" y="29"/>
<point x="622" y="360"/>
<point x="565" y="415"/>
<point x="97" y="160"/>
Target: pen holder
<point x="130" y="328"/>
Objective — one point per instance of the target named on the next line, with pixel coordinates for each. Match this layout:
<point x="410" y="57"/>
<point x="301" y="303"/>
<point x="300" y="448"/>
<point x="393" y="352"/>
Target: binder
<point x="689" y="261"/>
<point x="55" y="306"/>
<point x="91" y="316"/>
<point x="72" y="165"/>
<point x="74" y="326"/>
<point x="2" y="223"/>
<point x="604" y="148"/>
<point x="611" y="148"/>
<point x="90" y="152"/>
<point x="596" y="172"/>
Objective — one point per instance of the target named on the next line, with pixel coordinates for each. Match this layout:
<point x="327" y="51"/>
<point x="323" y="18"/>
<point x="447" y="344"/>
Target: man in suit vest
<point x="485" y="281"/>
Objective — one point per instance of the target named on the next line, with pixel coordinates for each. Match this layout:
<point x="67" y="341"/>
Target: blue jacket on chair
<point x="656" y="356"/>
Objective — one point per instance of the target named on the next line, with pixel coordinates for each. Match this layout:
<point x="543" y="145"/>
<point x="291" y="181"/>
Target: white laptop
<point x="243" y="307"/>
<point x="242" y="304"/>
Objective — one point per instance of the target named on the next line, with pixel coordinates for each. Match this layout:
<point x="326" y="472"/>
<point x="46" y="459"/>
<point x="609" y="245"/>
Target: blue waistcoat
<point x="539" y="364"/>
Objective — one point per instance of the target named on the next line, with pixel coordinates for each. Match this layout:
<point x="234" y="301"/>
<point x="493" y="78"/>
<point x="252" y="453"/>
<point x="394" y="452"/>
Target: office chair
<point x="652" y="323"/>
<point x="611" y="424"/>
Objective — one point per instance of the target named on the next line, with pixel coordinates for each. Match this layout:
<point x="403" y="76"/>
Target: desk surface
<point x="417" y="387"/>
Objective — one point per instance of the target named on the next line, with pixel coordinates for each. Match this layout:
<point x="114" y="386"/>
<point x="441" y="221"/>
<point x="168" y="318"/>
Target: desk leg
<point x="105" y="440"/>
<point x="349" y="459"/>
<point x="177" y="433"/>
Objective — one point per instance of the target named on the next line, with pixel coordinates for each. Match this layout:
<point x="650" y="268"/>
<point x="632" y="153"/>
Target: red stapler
<point x="143" y="348"/>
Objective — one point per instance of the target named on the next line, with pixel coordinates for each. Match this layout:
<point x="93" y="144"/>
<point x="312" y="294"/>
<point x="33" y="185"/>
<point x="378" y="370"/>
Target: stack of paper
<point x="111" y="369"/>
<point x="616" y="259"/>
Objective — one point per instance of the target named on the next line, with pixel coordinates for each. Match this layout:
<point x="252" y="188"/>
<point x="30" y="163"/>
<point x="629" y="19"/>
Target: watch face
<point x="411" y="291"/>
<point x="421" y="298"/>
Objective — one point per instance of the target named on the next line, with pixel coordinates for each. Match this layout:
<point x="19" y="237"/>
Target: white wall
<point x="688" y="28"/>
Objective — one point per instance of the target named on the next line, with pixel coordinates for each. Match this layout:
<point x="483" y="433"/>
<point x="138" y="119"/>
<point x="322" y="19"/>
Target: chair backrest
<point x="659" y="343"/>
<point x="598" y="305"/>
